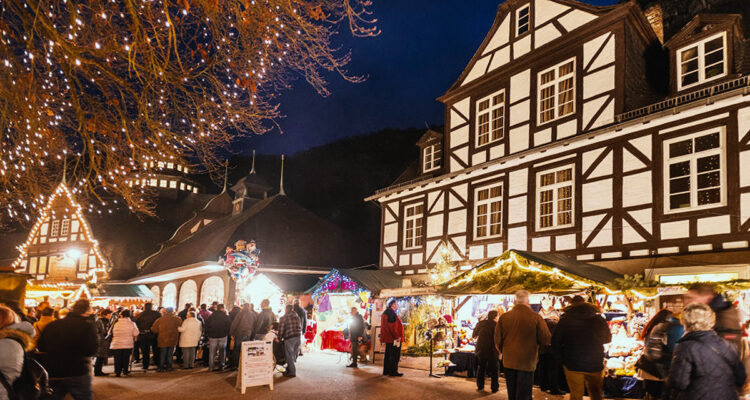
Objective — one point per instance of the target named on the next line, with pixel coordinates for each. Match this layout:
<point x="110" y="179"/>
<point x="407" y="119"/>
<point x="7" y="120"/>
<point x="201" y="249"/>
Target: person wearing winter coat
<point x="167" y="334"/>
<point x="579" y="341"/>
<point x="217" y="331"/>
<point x="264" y="320"/>
<point x="660" y="336"/>
<point x="190" y="335"/>
<point x="124" y="334"/>
<point x="242" y="331"/>
<point x="147" y="338"/>
<point x="356" y="333"/>
<point x="15" y="340"/>
<point x="704" y="366"/>
<point x="519" y="334"/>
<point x="392" y="334"/>
<point x="302" y="313"/>
<point x="486" y="350"/>
<point x="102" y="331"/>
<point x="67" y="345"/>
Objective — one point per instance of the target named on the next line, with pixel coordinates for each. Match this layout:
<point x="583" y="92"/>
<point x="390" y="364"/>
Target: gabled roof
<point x="429" y="136"/>
<point x="286" y="233"/>
<point x="703" y="25"/>
<point x="503" y="11"/>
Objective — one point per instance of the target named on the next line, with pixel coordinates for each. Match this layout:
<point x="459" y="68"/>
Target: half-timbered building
<point x="561" y="135"/>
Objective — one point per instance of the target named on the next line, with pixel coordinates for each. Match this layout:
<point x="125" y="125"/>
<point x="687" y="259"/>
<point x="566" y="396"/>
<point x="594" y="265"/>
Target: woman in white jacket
<point x="123" y="338"/>
<point x="190" y="331"/>
<point x="15" y="339"/>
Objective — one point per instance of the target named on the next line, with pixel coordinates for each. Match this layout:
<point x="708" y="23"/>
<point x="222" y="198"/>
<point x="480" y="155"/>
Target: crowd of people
<point x="70" y="345"/>
<point x="695" y="354"/>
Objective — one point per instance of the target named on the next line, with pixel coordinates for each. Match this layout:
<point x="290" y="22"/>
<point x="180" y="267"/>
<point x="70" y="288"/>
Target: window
<point x="172" y="184"/>
<point x="65" y="227"/>
<point x="488" y="211"/>
<point x="413" y="226"/>
<point x="702" y="62"/>
<point x="557" y="91"/>
<point x="431" y="157"/>
<point x="555" y="198"/>
<point x="694" y="174"/>
<point x="55" y="228"/>
<point x="490" y="118"/>
<point x="522" y="20"/>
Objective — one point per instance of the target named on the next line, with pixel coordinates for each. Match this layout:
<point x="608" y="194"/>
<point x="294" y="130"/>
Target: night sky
<point x="423" y="47"/>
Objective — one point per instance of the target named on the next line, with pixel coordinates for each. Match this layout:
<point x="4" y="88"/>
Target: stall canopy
<point x="371" y="280"/>
<point x="535" y="272"/>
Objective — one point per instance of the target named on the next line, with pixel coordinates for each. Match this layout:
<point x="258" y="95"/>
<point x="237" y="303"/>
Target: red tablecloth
<point x="334" y="340"/>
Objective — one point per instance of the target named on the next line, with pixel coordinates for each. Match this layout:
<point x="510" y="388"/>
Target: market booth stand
<point x="548" y="277"/>
<point x="335" y="295"/>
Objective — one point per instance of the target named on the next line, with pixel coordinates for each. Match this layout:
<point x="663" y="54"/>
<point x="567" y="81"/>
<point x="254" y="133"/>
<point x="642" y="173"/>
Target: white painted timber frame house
<point x="556" y="141"/>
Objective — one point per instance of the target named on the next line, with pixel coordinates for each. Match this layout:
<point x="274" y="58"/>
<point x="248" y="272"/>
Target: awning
<point x="372" y="280"/>
<point x="122" y="290"/>
<point x="535" y="272"/>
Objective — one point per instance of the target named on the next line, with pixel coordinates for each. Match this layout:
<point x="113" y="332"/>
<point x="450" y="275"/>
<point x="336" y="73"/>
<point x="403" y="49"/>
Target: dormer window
<point x="522" y="20"/>
<point x="702" y="62"/>
<point x="431" y="157"/>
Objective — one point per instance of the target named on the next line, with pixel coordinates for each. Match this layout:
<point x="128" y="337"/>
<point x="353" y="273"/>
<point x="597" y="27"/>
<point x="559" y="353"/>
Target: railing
<point x="705" y="93"/>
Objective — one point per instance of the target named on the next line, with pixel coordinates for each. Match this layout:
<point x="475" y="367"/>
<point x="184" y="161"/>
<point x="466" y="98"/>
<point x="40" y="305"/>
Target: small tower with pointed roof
<point x="248" y="190"/>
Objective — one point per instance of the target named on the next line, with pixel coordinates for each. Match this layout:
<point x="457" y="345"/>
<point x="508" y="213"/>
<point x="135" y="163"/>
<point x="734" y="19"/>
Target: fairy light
<point x="94" y="87"/>
<point x="62" y="191"/>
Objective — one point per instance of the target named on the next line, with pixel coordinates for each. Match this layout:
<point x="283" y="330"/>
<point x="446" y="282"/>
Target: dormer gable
<point x="522" y="26"/>
<point x="707" y="49"/>
<point x="430" y="152"/>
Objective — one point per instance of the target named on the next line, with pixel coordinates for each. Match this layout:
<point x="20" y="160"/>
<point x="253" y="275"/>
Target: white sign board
<point x="256" y="365"/>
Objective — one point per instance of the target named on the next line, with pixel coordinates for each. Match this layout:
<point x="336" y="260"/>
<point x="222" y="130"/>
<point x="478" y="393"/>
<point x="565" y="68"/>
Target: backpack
<point x="32" y="384"/>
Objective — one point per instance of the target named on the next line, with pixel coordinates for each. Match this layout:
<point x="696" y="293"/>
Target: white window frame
<point x="418" y="220"/>
<point x="431" y="157"/>
<point x="55" y="231"/>
<point x="65" y="227"/>
<point x="554" y="83"/>
<point x="489" y="111"/>
<point x="693" y="157"/>
<point x="528" y="21"/>
<point x="488" y="202"/>
<point x="701" y="45"/>
<point x="555" y="199"/>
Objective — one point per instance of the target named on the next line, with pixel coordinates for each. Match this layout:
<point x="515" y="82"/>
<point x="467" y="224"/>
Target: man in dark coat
<point x="486" y="351"/>
<point x="356" y="334"/>
<point x="242" y="331"/>
<point x="264" y="320"/>
<point x="217" y="331"/>
<point x="102" y="331"/>
<point x="146" y="338"/>
<point x="579" y="341"/>
<point x="67" y="345"/>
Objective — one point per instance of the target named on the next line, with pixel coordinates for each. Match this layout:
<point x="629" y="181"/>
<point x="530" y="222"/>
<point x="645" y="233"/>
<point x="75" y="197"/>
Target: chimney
<point x="655" y="17"/>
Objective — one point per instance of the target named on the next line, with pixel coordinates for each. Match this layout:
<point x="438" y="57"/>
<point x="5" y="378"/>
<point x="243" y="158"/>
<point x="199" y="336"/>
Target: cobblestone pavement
<point x="319" y="376"/>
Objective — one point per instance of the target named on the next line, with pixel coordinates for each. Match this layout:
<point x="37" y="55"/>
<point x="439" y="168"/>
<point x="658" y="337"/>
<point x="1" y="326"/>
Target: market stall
<point x="549" y="278"/>
<point x="335" y="295"/>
